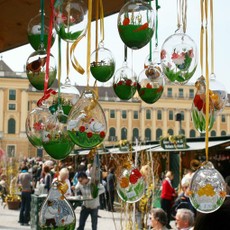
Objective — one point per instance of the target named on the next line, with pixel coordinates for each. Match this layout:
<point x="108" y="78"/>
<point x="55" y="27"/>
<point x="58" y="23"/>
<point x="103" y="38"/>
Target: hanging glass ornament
<point x="131" y="185"/>
<point x="150" y="84"/>
<point x="56" y="212"/>
<point x="34" y="31"/>
<point x="35" y="123"/>
<point x="55" y="139"/>
<point x="125" y="82"/>
<point x="153" y="59"/>
<point x="207" y="189"/>
<point x="136" y="24"/>
<point x="179" y="58"/>
<point x="199" y="107"/>
<point x="36" y="69"/>
<point x="102" y="63"/>
<point x="70" y="19"/>
<point x="87" y="123"/>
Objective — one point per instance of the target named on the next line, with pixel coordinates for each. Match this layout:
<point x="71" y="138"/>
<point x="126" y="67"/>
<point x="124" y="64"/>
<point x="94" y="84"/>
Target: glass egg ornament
<point x="36" y="69"/>
<point x="86" y="123"/>
<point x="125" y="82"/>
<point x="198" y="111"/>
<point x="35" y="123"/>
<point x="150" y="84"/>
<point x="153" y="59"/>
<point x="55" y="139"/>
<point x="38" y="33"/>
<point x="102" y="64"/>
<point x="131" y="185"/>
<point x="70" y="19"/>
<point x="179" y="58"/>
<point x="136" y="24"/>
<point x="56" y="212"/>
<point x="207" y="189"/>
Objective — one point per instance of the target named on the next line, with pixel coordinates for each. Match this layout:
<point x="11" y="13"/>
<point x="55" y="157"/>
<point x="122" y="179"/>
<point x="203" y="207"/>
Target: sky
<point x="167" y="25"/>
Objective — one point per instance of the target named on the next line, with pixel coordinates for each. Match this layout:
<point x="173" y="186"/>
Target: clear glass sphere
<point x="36" y="69"/>
<point x="136" y="24"/>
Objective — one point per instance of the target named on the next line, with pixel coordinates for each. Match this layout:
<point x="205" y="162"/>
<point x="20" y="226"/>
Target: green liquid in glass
<point x="35" y="40"/>
<point x="150" y="95"/>
<point x="124" y="92"/>
<point x="102" y="73"/>
<point x="69" y="36"/>
<point x="35" y="141"/>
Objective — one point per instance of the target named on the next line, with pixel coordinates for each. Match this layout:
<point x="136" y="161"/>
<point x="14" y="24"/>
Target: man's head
<point x="82" y="178"/>
<point x="184" y="218"/>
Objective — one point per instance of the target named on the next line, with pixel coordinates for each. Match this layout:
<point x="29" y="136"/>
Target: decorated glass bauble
<point x="136" y="24"/>
<point x="34" y="30"/>
<point x="218" y="94"/>
<point x="70" y="19"/>
<point x="179" y="58"/>
<point x="125" y="82"/>
<point x="199" y="108"/>
<point x="55" y="139"/>
<point x="87" y="123"/>
<point x="207" y="189"/>
<point x="131" y="185"/>
<point x="36" y="69"/>
<point x="150" y="84"/>
<point x="102" y="64"/>
<point x="35" y="123"/>
<point x="56" y="212"/>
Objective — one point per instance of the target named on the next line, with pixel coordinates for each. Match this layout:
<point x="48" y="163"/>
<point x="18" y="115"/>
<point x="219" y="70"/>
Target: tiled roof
<point x="4" y="67"/>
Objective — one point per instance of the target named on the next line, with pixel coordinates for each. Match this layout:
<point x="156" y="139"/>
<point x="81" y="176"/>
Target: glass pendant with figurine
<point x="36" y="69"/>
<point x="136" y="24"/>
<point x="102" y="64"/>
<point x="207" y="189"/>
<point x="198" y="110"/>
<point x="70" y="19"/>
<point x="131" y="185"/>
<point x="125" y="82"/>
<point x="56" y="212"/>
<point x="87" y="125"/>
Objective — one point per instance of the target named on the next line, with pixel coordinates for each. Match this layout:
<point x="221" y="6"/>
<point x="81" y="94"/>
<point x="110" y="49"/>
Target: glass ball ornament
<point x="34" y="32"/>
<point x="125" y="82"/>
<point x="102" y="64"/>
<point x="207" y="189"/>
<point x="179" y="58"/>
<point x="56" y="212"/>
<point x="70" y="19"/>
<point x="136" y="24"/>
<point x="35" y="123"/>
<point x="36" y="69"/>
<point x="87" y="125"/>
<point x="198" y="110"/>
<point x="55" y="139"/>
<point x="131" y="185"/>
<point x="150" y="84"/>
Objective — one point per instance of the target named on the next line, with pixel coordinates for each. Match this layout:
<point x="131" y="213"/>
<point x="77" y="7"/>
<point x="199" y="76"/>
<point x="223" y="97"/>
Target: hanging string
<point x="184" y="15"/>
<point x="202" y="37"/>
<point x="156" y="24"/>
<point x="42" y="24"/>
<point x="212" y="36"/>
<point x="59" y="70"/>
<point x="181" y="15"/>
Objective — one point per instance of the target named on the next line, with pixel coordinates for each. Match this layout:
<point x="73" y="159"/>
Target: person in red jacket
<point x="168" y="194"/>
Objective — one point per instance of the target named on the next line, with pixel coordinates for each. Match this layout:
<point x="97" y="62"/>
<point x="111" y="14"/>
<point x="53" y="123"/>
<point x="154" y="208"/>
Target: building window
<point x="170" y="132"/>
<point x="223" y="133"/>
<point x="135" y="114"/>
<point x="182" y="115"/>
<point x="11" y="126"/>
<point x="123" y="134"/>
<point x="158" y="134"/>
<point x="12" y="94"/>
<point x="12" y="107"/>
<point x="169" y="92"/>
<point x="112" y="113"/>
<point x="213" y="133"/>
<point x="170" y="115"/>
<point x="223" y="118"/>
<point x="191" y="93"/>
<point x="148" y="114"/>
<point x="182" y="132"/>
<point x="112" y="134"/>
<point x="11" y="150"/>
<point x="192" y="133"/>
<point x="123" y="114"/>
<point x="148" y="135"/>
<point x="135" y="134"/>
<point x="159" y="115"/>
<point x="181" y="92"/>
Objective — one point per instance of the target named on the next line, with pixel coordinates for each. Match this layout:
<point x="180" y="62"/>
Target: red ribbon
<point x="46" y="96"/>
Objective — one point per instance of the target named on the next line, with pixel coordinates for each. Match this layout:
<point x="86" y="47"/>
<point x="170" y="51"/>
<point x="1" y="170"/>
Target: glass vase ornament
<point x="35" y="123"/>
<point x="102" y="63"/>
<point x="56" y="212"/>
<point x="136" y="24"/>
<point x="198" y="110"/>
<point x="34" y="32"/>
<point x="131" y="185"/>
<point x="125" y="82"/>
<point x="179" y="58"/>
<point x="36" y="69"/>
<point x="207" y="189"/>
<point x="55" y="139"/>
<point x="87" y="125"/>
<point x="70" y="19"/>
